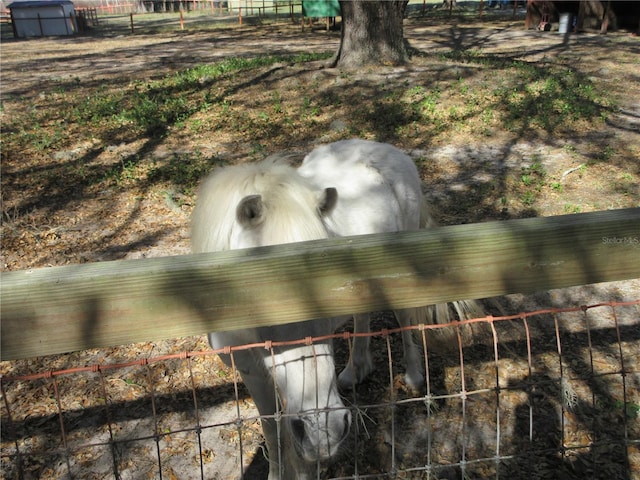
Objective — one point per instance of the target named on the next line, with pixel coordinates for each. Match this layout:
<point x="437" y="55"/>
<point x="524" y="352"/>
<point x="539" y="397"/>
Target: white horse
<point x="379" y="190"/>
<point x="346" y="188"/>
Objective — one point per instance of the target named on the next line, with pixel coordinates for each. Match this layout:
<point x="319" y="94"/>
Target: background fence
<point x="543" y="393"/>
<point x="113" y="12"/>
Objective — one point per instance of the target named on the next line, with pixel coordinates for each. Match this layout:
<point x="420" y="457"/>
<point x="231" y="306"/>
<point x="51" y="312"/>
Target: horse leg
<point x="360" y="363"/>
<point x="414" y="376"/>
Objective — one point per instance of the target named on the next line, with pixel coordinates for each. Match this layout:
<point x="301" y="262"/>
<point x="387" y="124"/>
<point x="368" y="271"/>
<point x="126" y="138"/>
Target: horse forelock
<point x="290" y="203"/>
<point x="292" y="213"/>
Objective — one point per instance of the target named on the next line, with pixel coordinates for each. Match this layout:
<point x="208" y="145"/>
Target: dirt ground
<point x="468" y="181"/>
<point x="55" y="221"/>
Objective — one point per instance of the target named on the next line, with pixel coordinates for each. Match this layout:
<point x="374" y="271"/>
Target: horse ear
<point x="327" y="200"/>
<point x="250" y="211"/>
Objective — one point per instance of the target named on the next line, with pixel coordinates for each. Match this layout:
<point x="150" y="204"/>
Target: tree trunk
<point x="372" y="33"/>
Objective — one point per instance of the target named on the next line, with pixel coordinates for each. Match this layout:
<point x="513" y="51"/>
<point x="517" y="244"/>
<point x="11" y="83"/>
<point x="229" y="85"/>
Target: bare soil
<point x="52" y="215"/>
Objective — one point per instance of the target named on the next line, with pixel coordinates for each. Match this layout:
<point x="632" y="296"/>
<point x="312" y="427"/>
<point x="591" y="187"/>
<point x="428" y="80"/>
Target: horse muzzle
<point x="318" y="435"/>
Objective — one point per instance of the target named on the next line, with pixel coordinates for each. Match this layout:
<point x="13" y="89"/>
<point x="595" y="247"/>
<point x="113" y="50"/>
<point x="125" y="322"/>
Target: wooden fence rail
<point x="62" y="309"/>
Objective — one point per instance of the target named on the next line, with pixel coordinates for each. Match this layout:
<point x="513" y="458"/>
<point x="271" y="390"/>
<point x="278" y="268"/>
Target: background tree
<point x="372" y="33"/>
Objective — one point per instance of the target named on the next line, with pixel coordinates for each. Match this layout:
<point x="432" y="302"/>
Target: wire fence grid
<point x="542" y="394"/>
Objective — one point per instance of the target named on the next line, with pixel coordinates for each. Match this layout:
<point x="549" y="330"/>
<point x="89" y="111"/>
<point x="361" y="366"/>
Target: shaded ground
<point x="79" y="191"/>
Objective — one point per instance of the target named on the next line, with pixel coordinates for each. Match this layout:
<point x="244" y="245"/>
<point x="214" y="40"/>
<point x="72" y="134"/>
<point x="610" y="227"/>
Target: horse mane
<point x="291" y="204"/>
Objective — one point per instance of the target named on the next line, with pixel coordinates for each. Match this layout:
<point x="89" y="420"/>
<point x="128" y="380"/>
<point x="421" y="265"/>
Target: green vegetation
<point x="533" y="179"/>
<point x="269" y="102"/>
<point x="527" y="95"/>
<point x="632" y="410"/>
<point x="150" y="107"/>
<point x="187" y="102"/>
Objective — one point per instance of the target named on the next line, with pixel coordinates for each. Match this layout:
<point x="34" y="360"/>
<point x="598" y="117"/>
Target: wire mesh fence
<point x="541" y="394"/>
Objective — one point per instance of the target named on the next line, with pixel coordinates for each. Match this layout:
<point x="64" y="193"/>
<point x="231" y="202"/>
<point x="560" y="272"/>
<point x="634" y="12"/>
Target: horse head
<point x="256" y="205"/>
<point x="294" y="386"/>
<point x="314" y="414"/>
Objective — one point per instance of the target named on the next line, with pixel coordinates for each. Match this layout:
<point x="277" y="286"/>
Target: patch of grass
<point x="557" y="186"/>
<point x="43" y="139"/>
<point x="277" y="102"/>
<point x="550" y="98"/>
<point x="528" y="198"/>
<point x="123" y="172"/>
<point x="626" y="185"/>
<point x="189" y="102"/>
<point x="632" y="410"/>
<point x="571" y="208"/>
<point x="534" y="174"/>
<point x="474" y="95"/>
<point x="607" y="153"/>
<point x="522" y="97"/>
<point x="183" y="171"/>
<point x="532" y="182"/>
<point x="149" y="108"/>
<point x="532" y="95"/>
